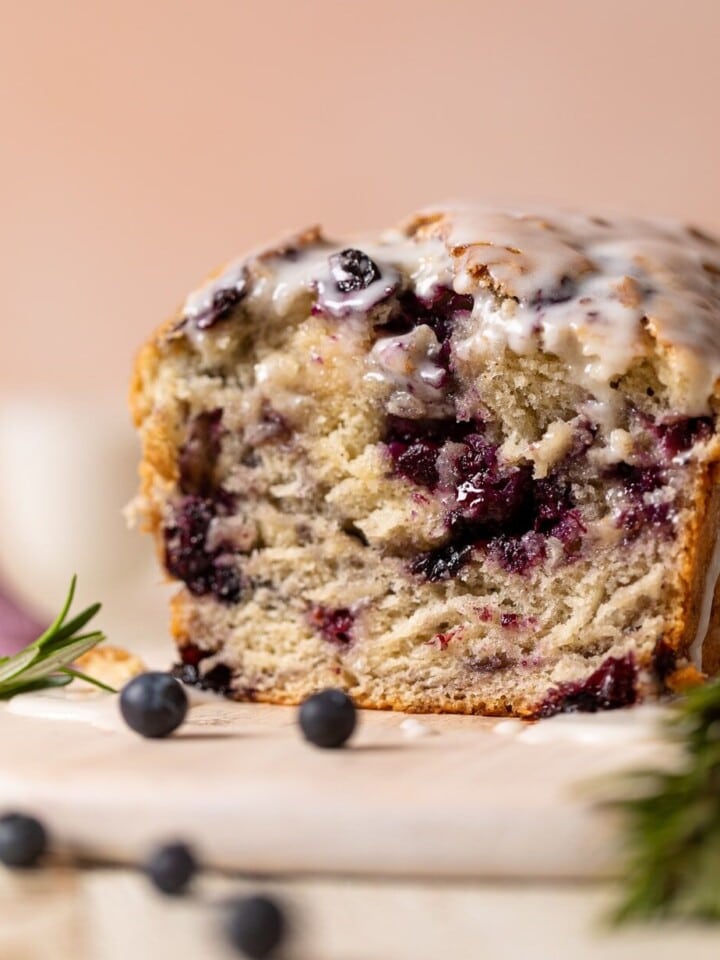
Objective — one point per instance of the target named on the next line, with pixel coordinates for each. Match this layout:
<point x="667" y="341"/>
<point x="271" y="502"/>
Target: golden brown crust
<point x="695" y="560"/>
<point x="684" y="679"/>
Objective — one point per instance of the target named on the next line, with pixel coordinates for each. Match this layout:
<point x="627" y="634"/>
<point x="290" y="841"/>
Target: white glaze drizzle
<point x="232" y="277"/>
<point x="587" y="289"/>
<point x="634" y="724"/>
<point x="94" y="707"/>
<point x="409" y="365"/>
<point x="83" y="705"/>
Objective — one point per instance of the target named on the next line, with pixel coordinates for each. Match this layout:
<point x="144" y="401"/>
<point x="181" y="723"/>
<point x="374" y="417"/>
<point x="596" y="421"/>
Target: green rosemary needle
<point x="47" y="661"/>
<point x="673" y="821"/>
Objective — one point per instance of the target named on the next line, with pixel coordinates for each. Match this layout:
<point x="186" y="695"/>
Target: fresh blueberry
<point x="171" y="868"/>
<point x="328" y="718"/>
<point x="23" y="840"/>
<point x="255" y="926"/>
<point x="353" y="270"/>
<point x="153" y="704"/>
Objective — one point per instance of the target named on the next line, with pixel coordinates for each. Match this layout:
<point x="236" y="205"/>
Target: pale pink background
<point x="143" y="141"/>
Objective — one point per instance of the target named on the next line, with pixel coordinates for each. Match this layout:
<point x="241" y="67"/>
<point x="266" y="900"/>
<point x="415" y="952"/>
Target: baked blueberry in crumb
<point x="638" y="518"/>
<point x="417" y="462"/>
<point x="493" y="663"/>
<point x="637" y="480"/>
<point x="510" y="621"/>
<point x="501" y="509"/>
<point x="610" y="687"/>
<point x="223" y="304"/>
<point x="353" y="284"/>
<point x="218" y="679"/>
<point x="185" y="554"/>
<point x="664" y="659"/>
<point x="199" y="454"/>
<point x="191" y="654"/>
<point x="353" y="270"/>
<point x="415" y="445"/>
<point x="498" y="507"/>
<point x="225" y="584"/>
<point x="187" y="557"/>
<point x="677" y="435"/>
<point x="335" y="624"/>
<point x="439" y="311"/>
<point x="493" y="498"/>
<point x="517" y="554"/>
<point x="442" y="563"/>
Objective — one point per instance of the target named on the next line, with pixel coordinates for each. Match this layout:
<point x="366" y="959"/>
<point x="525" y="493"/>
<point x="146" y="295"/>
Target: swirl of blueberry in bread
<point x="469" y="465"/>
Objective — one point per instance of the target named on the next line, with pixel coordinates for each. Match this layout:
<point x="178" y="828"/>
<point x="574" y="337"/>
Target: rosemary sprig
<point x="673" y="821"/>
<point x="47" y="661"/>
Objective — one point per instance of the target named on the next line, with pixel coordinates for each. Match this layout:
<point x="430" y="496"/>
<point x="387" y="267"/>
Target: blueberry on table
<point x="23" y="840"/>
<point x="153" y="704"/>
<point x="255" y="926"/>
<point x="171" y="868"/>
<point x="327" y="718"/>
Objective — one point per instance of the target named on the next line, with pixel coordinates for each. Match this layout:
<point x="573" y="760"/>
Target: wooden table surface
<point x="445" y="796"/>
<point x="63" y="913"/>
<point x="98" y="912"/>
<point x="68" y="911"/>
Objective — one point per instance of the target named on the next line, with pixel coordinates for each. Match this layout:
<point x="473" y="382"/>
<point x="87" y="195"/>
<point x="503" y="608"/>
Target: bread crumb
<point x="416" y="728"/>
<point x="110" y="665"/>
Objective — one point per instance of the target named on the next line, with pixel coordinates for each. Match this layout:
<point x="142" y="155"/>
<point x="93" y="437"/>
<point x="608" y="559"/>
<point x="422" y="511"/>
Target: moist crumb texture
<point x="468" y="465"/>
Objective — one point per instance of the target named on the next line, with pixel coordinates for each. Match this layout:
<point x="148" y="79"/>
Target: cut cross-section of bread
<point x="468" y="465"/>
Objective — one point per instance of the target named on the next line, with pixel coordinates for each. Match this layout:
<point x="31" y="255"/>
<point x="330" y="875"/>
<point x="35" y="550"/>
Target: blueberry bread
<point x="469" y="465"/>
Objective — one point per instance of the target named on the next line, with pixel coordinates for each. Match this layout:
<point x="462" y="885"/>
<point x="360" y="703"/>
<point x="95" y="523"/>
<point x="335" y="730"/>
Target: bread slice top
<point x="600" y="293"/>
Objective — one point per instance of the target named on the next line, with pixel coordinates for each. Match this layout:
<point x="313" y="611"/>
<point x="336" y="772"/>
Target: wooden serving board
<point x="434" y="796"/>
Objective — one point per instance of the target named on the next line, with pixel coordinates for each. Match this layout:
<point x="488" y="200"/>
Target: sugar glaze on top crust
<point x="601" y="295"/>
<point x="593" y="291"/>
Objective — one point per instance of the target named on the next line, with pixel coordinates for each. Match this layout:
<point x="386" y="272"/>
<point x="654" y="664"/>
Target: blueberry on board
<point x="23" y="840"/>
<point x="255" y="926"/>
<point x="171" y="868"/>
<point x="153" y="704"/>
<point x="327" y="718"/>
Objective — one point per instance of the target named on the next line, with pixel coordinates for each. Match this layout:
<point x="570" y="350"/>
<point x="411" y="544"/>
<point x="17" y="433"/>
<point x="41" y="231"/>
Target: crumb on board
<point x="113" y="666"/>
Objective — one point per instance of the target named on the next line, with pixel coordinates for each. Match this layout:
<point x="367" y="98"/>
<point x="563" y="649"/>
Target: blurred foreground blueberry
<point x="255" y="926"/>
<point x="327" y="718"/>
<point x="171" y="868"/>
<point x="23" y="840"/>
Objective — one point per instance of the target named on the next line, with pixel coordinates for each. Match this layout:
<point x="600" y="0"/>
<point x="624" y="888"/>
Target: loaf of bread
<point x="469" y="465"/>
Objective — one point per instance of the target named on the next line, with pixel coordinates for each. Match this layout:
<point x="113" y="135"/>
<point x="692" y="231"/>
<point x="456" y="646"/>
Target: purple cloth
<point x="18" y="626"/>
